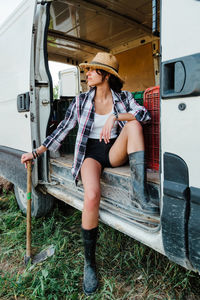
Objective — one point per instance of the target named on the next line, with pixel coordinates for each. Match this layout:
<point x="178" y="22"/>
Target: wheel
<point x="41" y="203"/>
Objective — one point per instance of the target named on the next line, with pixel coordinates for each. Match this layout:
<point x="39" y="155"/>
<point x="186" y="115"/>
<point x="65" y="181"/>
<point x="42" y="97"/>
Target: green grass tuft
<point x="127" y="269"/>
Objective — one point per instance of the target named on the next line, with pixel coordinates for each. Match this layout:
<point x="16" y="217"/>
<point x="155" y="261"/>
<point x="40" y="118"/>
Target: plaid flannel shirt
<point x="82" y="110"/>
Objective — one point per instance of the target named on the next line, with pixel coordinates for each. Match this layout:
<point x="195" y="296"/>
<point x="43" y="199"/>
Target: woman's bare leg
<point x="90" y="174"/>
<point x="130" y="140"/>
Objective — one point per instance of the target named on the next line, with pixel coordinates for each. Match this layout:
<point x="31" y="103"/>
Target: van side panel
<point x="181" y="40"/>
<point x="137" y="68"/>
<point x="180" y="122"/>
<point x="15" y="57"/>
<point x="180" y="127"/>
<point x="11" y="167"/>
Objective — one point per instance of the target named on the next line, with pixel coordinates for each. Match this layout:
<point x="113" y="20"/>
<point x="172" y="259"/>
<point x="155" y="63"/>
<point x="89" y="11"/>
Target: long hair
<point x="114" y="82"/>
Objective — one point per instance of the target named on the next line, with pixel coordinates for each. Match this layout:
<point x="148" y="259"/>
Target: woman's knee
<point x="91" y="199"/>
<point x="133" y="126"/>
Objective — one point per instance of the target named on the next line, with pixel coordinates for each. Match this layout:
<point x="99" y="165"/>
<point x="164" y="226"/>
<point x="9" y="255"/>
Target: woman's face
<point x="93" y="78"/>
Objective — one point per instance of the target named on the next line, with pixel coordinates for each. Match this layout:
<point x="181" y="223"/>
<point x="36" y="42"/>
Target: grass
<point x="127" y="269"/>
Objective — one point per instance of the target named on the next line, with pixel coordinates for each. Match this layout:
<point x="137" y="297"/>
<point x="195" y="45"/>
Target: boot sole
<point x="90" y="293"/>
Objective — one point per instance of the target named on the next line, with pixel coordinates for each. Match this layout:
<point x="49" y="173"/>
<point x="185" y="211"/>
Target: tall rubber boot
<point x="139" y="185"/>
<point x="90" y="280"/>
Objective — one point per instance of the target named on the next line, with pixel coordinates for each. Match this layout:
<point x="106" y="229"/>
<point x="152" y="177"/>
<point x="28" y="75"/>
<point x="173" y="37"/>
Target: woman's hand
<point x="29" y="156"/>
<point x="26" y="157"/>
<point x="106" y="130"/>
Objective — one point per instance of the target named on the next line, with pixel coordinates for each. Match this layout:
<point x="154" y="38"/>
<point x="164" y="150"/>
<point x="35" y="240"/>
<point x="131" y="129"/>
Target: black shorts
<point x="99" y="151"/>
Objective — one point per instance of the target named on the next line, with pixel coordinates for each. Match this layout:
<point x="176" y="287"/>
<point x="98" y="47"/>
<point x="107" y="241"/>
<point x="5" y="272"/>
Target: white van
<point x="162" y="62"/>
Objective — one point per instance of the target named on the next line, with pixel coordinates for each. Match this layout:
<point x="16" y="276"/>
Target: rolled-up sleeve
<point x="140" y="112"/>
<point x="54" y="140"/>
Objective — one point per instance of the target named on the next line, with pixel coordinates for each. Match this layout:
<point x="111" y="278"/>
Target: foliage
<point x="55" y="92"/>
<point x="127" y="269"/>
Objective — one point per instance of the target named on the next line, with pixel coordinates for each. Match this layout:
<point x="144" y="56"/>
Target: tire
<point x="41" y="203"/>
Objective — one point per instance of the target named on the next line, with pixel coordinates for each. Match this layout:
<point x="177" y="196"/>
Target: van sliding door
<point x="15" y="64"/>
<point x="180" y="123"/>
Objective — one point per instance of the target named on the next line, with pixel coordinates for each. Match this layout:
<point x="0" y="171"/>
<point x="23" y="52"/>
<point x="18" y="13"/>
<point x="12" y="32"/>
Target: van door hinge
<point x="40" y="83"/>
<point x="45" y="102"/>
<point x="23" y="102"/>
<point x="32" y="117"/>
<point x="33" y="29"/>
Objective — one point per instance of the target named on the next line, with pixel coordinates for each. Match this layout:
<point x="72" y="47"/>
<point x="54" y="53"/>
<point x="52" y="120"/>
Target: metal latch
<point x="45" y="102"/>
<point x="41" y="83"/>
<point x="23" y="102"/>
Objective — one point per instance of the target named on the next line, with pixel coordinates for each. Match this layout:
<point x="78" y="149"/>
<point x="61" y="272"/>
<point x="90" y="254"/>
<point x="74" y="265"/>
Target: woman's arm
<point x="106" y="130"/>
<point x="125" y="117"/>
<point x="140" y="113"/>
<point x="53" y="141"/>
<point x="41" y="150"/>
<point x="135" y="112"/>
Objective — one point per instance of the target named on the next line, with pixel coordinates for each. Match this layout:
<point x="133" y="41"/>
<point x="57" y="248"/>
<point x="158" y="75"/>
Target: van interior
<point x="79" y="29"/>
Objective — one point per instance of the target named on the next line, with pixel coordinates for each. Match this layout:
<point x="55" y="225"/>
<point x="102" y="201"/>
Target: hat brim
<point x="101" y="67"/>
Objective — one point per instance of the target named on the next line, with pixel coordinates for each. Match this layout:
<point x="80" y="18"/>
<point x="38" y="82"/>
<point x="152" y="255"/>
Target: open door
<point x="15" y="66"/>
<point x="24" y="98"/>
<point x="180" y="123"/>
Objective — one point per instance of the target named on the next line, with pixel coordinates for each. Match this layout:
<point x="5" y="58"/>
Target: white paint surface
<point x="180" y="25"/>
<point x="15" y="57"/>
<point x="180" y="129"/>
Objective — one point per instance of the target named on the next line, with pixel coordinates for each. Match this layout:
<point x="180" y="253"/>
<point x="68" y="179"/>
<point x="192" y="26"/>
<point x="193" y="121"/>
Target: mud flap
<point x="175" y="211"/>
<point x="194" y="228"/>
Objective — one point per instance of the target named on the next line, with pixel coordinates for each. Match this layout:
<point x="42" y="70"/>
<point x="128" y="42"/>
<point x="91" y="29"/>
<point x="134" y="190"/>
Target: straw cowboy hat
<point x="104" y="61"/>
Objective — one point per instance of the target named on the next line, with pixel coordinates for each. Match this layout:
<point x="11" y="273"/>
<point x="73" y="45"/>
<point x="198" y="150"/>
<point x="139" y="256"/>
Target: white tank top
<point x="99" y="121"/>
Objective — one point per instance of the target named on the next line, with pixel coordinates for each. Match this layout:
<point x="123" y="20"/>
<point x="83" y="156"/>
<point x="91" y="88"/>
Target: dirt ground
<point x="5" y="185"/>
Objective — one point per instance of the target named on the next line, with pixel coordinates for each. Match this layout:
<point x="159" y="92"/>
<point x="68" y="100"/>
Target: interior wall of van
<point x="137" y="68"/>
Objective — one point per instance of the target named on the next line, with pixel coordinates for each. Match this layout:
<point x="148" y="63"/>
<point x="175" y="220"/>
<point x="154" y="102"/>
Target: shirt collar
<point x="115" y="96"/>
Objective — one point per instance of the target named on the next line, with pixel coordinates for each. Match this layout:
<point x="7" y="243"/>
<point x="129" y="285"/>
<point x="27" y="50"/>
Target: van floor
<point x="115" y="190"/>
<point x="67" y="160"/>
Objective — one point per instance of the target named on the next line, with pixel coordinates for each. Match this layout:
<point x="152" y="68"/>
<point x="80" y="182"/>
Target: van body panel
<point x="15" y="40"/>
<point x="180" y="124"/>
<point x="180" y="28"/>
<point x="180" y="127"/>
<point x="180" y="131"/>
<point x="11" y="167"/>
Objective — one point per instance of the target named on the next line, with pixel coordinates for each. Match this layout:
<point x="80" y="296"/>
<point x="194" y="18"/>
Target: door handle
<point x="180" y="77"/>
<point x="23" y="102"/>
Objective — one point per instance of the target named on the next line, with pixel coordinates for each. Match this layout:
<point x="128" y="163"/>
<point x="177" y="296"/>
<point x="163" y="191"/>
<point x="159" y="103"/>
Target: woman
<point x="101" y="113"/>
